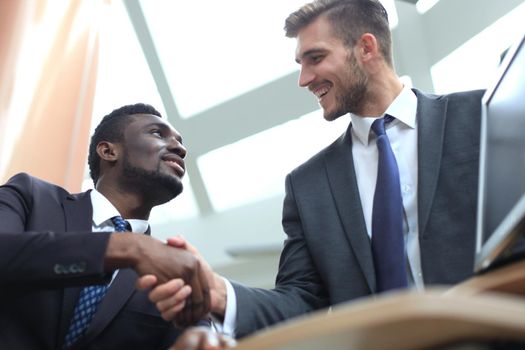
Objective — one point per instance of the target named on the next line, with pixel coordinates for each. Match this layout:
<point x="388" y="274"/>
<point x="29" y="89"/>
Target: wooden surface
<point x="507" y="279"/>
<point x="401" y="321"/>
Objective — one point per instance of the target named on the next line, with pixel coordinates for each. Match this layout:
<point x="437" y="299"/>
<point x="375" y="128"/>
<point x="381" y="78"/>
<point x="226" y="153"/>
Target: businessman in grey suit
<point x="53" y="243"/>
<point x="344" y="51"/>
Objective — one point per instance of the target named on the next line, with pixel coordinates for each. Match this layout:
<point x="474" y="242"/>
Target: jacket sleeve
<point x="299" y="288"/>
<point x="42" y="257"/>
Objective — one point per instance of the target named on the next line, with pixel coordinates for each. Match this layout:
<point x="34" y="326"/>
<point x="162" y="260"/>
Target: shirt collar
<point x="403" y="108"/>
<point x="103" y="211"/>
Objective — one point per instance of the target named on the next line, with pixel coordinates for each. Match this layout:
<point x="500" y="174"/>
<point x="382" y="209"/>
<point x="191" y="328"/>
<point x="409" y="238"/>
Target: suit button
<point x="59" y="269"/>
<point x="78" y="267"/>
<point x="74" y="268"/>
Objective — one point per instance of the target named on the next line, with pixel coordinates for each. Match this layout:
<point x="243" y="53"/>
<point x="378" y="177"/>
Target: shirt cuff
<point x="230" y="314"/>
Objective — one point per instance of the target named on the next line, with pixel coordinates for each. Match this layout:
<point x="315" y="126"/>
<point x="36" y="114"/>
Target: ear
<point x="108" y="151"/>
<point x="368" y="47"/>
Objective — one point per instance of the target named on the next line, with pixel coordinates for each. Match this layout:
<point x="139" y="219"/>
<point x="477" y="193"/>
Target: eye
<point x="316" y="58"/>
<point x="156" y="132"/>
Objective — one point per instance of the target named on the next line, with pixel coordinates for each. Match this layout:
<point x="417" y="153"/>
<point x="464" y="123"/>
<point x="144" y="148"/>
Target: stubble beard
<point x="353" y="92"/>
<point x="153" y="185"/>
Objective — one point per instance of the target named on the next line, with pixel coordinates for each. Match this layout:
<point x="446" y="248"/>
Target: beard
<point x="353" y="91"/>
<point x="153" y="185"/>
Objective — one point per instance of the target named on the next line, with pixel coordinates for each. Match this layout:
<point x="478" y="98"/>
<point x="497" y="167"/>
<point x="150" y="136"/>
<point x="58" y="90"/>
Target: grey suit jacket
<point x="327" y="257"/>
<point x="47" y="252"/>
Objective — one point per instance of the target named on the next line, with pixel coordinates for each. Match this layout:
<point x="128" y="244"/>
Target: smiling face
<point x="153" y="158"/>
<point x="330" y="70"/>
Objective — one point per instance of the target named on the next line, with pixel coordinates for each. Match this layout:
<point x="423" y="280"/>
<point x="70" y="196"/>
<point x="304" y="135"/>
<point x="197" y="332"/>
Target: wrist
<point x="219" y="296"/>
<point x="123" y="251"/>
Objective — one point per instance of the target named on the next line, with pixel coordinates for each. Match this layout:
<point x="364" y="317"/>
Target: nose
<point x="306" y="76"/>
<point x="177" y="147"/>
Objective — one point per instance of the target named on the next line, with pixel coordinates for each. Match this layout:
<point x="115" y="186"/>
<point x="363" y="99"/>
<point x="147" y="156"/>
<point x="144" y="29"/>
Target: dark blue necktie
<point x="388" y="246"/>
<point x="89" y="299"/>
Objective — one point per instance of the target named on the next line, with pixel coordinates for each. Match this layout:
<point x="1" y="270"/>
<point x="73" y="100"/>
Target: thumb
<point x="145" y="282"/>
<point x="177" y="242"/>
<point x="181" y="242"/>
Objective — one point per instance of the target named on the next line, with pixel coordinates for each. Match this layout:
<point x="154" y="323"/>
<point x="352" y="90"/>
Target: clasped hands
<point x="185" y="304"/>
<point x="185" y="289"/>
<point x="158" y="263"/>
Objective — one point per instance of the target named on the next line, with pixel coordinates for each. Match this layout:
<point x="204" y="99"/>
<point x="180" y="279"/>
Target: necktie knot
<point x="121" y="225"/>
<point x="378" y="126"/>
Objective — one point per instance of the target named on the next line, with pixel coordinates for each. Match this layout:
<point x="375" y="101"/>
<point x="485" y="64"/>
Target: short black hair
<point x="350" y="19"/>
<point x="111" y="129"/>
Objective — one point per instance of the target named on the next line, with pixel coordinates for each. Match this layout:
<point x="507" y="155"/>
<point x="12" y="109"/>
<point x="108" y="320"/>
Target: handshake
<point x="185" y="289"/>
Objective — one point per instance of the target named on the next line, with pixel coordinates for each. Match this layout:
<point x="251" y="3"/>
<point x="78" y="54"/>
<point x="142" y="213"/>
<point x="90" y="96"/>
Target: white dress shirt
<point x="402" y="134"/>
<point x="103" y="211"/>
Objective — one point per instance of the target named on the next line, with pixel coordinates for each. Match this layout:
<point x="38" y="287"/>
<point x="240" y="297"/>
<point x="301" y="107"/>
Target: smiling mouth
<point x="321" y="91"/>
<point x="175" y="163"/>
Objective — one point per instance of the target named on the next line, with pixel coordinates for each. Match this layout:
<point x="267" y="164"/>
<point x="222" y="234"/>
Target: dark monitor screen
<point x="501" y="206"/>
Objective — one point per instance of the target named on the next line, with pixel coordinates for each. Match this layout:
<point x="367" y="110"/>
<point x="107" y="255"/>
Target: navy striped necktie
<point x="89" y="299"/>
<point x="388" y="246"/>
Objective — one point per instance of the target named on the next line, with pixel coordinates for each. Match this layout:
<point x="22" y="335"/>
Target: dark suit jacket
<point x="327" y="257"/>
<point x="47" y="251"/>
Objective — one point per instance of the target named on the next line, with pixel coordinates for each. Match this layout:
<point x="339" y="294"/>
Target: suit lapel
<point x="78" y="213"/>
<point x="341" y="175"/>
<point x="117" y="295"/>
<point x="431" y="117"/>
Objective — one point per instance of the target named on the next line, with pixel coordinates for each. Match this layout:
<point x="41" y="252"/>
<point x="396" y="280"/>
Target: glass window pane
<point x="255" y="167"/>
<point x="474" y="64"/>
<point x="213" y="51"/>
<point x="123" y="73"/>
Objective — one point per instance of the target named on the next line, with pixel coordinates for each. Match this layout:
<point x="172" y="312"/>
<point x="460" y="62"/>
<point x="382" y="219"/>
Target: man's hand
<point x="171" y="298"/>
<point x="215" y="281"/>
<point x="201" y="338"/>
<point x="150" y="257"/>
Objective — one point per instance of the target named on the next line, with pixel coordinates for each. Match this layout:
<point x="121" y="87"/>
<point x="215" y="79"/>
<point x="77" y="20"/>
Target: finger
<point x="146" y="281"/>
<point x="192" y="249"/>
<point x="192" y="339"/>
<point x="206" y="294"/>
<point x="194" y="342"/>
<point x="177" y="241"/>
<point x="200" y="297"/>
<point x="181" y="242"/>
<point x="166" y="290"/>
<point x="187" y="313"/>
<point x="226" y="342"/>
<point x="212" y="340"/>
<point x="197" y="299"/>
<point x="178" y="298"/>
<point x="171" y="313"/>
<point x="181" y="319"/>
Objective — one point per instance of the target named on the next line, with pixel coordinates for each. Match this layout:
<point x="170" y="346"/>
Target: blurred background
<point x="224" y="75"/>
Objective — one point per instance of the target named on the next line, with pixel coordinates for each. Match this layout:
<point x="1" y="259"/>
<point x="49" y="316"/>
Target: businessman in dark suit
<point x="344" y="51"/>
<point x="52" y="243"/>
